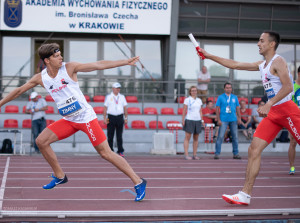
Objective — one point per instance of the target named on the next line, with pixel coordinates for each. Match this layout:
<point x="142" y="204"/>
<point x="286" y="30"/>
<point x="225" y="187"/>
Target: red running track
<point x="176" y="188"/>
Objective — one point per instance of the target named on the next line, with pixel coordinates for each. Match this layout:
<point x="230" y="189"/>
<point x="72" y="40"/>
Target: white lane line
<point x="146" y="172"/>
<point x="170" y="187"/>
<point x="163" y="178"/>
<point x="2" y="189"/>
<point x="120" y="199"/>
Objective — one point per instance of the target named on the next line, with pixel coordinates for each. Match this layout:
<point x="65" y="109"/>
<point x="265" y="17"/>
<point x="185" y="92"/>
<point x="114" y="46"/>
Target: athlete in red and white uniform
<point x="60" y="80"/>
<point x="279" y="111"/>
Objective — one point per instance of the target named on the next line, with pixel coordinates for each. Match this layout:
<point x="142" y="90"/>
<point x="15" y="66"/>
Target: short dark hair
<point x="261" y="101"/>
<point x="298" y="69"/>
<point x="227" y="83"/>
<point x="208" y="101"/>
<point x="47" y="50"/>
<point x="274" y="36"/>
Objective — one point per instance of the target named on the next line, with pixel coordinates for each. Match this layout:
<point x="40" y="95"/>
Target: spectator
<point x="228" y="114"/>
<point x="191" y="121"/>
<point x="209" y="116"/>
<point x="255" y="117"/>
<point x="115" y="106"/>
<point x="246" y="119"/>
<point x="202" y="87"/>
<point x="37" y="107"/>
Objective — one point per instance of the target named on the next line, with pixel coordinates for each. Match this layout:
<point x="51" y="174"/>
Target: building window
<point x="117" y="51"/>
<point x="287" y="51"/>
<point x="150" y="56"/>
<point x="16" y="56"/>
<point x="298" y="58"/>
<point x="215" y="69"/>
<point x="246" y="52"/>
<point x="84" y="52"/>
<point x="187" y="61"/>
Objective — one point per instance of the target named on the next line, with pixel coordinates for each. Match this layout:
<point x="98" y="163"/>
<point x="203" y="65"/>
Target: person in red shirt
<point x="246" y="124"/>
<point x="209" y="116"/>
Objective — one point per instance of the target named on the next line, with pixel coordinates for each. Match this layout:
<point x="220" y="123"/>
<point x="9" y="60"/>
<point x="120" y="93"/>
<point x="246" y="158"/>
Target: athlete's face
<point x="264" y="43"/>
<point x="55" y="59"/>
<point x="193" y="92"/>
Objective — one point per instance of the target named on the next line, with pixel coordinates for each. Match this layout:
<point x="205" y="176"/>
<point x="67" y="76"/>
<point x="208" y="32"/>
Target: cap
<point x="33" y="95"/>
<point x="116" y="85"/>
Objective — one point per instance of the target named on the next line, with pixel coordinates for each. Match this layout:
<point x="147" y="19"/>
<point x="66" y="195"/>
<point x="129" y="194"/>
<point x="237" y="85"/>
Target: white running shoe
<point x="239" y="198"/>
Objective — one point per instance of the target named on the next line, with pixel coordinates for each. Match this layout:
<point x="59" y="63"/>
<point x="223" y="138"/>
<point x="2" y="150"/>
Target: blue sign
<point x="13" y="13"/>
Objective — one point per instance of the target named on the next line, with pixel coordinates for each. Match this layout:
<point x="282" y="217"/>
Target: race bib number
<point x="70" y="107"/>
<point x="269" y="90"/>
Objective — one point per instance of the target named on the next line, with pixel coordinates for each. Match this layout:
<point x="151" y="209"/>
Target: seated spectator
<point x="246" y="120"/>
<point x="209" y="116"/>
<point x="255" y="116"/>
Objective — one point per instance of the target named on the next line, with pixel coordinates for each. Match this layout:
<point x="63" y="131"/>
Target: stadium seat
<point x="167" y="111"/>
<point x="243" y="98"/>
<point x="87" y="98"/>
<point x="49" y="121"/>
<point x="150" y="111"/>
<point x="152" y="125"/>
<point x="11" y="123"/>
<point x="26" y="124"/>
<point x="179" y="111"/>
<point x="173" y="122"/>
<point x="131" y="99"/>
<point x="50" y="110"/>
<point x="134" y="111"/>
<point x="138" y="124"/>
<point x="102" y="125"/>
<point x="255" y="100"/>
<point x="213" y="99"/>
<point x="99" y="98"/>
<point x="181" y="99"/>
<point x="48" y="98"/>
<point x="11" y="109"/>
<point x="99" y="110"/>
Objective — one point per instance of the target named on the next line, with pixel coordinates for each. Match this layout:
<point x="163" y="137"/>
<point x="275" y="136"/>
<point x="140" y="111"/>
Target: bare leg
<point x="253" y="166"/>
<point x="292" y="150"/>
<point x="195" y="144"/>
<point x="43" y="141"/>
<point x="186" y="143"/>
<point x="118" y="161"/>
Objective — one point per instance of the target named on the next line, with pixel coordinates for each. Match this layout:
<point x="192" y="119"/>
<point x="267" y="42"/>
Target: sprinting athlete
<point x="280" y="111"/>
<point x="293" y="142"/>
<point x="60" y="80"/>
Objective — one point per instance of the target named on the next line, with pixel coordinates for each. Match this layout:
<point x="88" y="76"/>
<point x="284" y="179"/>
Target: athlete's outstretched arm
<point x="232" y="64"/>
<point x="103" y="64"/>
<point x="34" y="81"/>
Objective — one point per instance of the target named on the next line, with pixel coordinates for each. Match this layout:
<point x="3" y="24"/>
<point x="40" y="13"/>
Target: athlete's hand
<point x="205" y="54"/>
<point x="106" y="121"/>
<point x="219" y="123"/>
<point x="264" y="110"/>
<point x="133" y="60"/>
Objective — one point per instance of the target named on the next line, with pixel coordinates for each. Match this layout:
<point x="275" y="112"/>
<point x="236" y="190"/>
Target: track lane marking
<point x="2" y="189"/>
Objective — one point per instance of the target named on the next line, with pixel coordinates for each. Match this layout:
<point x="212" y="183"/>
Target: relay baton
<point x="197" y="46"/>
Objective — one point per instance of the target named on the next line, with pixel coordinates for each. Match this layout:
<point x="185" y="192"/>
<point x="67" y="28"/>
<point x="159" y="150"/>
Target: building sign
<point x="89" y="16"/>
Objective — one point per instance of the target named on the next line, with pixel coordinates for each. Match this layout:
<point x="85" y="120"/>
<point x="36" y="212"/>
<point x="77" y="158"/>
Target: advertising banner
<point x="88" y="16"/>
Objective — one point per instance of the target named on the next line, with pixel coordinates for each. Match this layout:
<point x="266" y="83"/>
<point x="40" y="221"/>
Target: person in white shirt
<point x="202" y="87"/>
<point x="115" y="107"/>
<point x="37" y="107"/>
<point x="192" y="121"/>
